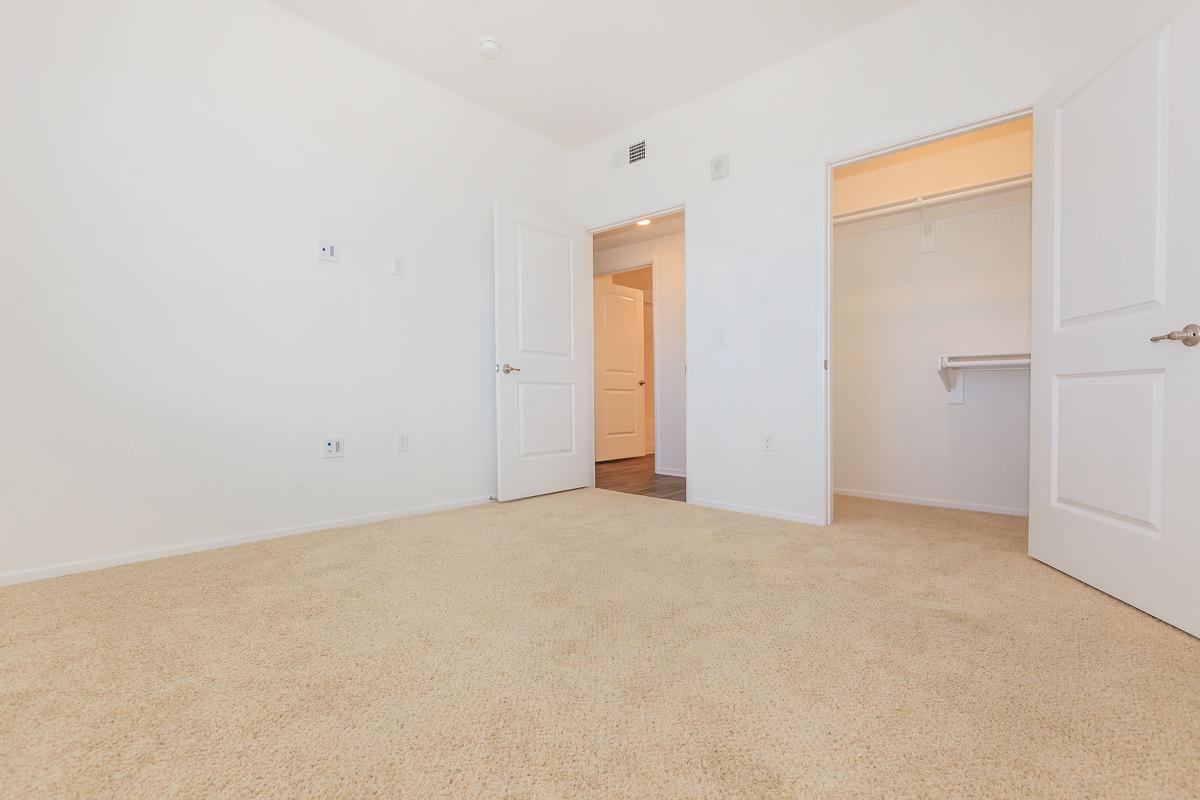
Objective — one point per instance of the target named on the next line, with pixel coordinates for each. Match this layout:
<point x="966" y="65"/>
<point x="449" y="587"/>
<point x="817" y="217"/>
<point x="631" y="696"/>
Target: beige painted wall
<point x="991" y="154"/>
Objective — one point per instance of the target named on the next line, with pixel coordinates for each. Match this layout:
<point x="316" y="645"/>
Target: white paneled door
<point x="620" y="370"/>
<point x="1115" y="425"/>
<point x="543" y="355"/>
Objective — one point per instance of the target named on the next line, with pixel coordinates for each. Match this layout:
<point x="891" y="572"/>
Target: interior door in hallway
<point x="543" y="361"/>
<point x="1115" y="418"/>
<point x="620" y="371"/>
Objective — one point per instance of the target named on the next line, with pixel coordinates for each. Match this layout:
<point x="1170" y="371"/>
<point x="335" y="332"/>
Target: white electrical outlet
<point x="335" y="447"/>
<point x="329" y="251"/>
<point x="722" y="337"/>
<point x="768" y="441"/>
<point x="398" y="266"/>
<point x="402" y="442"/>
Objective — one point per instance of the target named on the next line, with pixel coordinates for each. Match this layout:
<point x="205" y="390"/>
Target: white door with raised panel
<point x="620" y="371"/>
<point x="543" y="355"/>
<point x="1115" y="422"/>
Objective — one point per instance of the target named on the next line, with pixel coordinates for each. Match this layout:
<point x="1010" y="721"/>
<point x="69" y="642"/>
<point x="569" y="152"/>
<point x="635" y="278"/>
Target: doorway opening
<point x="929" y="322"/>
<point x="640" y="394"/>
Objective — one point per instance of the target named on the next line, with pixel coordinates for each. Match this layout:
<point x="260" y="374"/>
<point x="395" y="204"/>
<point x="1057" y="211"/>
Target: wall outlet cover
<point x="334" y="447"/>
<point x="402" y="442"/>
<point x="398" y="266"/>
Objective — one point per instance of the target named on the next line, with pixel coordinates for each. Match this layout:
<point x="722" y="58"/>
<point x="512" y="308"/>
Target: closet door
<point x="1115" y="422"/>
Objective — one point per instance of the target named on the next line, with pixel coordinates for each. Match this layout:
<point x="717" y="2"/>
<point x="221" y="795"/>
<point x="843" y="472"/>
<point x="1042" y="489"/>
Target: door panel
<point x="546" y="309"/>
<point x="1113" y="427"/>
<point x="543" y="406"/>
<point x="546" y="415"/>
<point x="1116" y="477"/>
<point x="620" y="371"/>
<point x="1110" y="219"/>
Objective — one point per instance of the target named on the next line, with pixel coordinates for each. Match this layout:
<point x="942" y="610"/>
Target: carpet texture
<point x="598" y="645"/>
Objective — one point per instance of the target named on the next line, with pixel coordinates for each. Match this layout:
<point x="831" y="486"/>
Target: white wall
<point x="667" y="255"/>
<point x="756" y="240"/>
<point x="894" y="311"/>
<point x="173" y="353"/>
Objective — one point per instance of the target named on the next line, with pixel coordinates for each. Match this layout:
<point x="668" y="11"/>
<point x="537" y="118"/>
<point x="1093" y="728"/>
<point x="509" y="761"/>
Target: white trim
<point x="655" y="321"/>
<point x="624" y="222"/>
<point x="1011" y="511"/>
<point x="757" y="512"/>
<point x="824" y="325"/>
<point x="72" y="567"/>
<point x="936" y="136"/>
<point x="674" y="472"/>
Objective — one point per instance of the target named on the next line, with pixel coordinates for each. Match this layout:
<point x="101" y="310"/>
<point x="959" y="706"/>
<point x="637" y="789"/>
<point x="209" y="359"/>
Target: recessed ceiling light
<point x="489" y="48"/>
<point x="643" y="222"/>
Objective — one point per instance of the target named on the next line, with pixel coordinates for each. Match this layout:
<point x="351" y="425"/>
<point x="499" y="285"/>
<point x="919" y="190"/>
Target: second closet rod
<point x="936" y="199"/>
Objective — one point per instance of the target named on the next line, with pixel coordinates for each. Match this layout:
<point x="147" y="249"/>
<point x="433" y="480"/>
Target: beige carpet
<point x="594" y="644"/>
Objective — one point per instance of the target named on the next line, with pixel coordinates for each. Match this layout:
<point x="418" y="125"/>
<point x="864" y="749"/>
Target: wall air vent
<point x="624" y="156"/>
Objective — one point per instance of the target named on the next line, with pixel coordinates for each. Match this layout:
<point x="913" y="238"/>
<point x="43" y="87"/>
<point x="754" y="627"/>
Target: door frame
<point x="824" y="322"/>
<point x="687" y="435"/>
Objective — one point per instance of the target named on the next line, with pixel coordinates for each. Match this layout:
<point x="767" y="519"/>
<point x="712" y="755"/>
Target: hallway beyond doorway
<point x="637" y="476"/>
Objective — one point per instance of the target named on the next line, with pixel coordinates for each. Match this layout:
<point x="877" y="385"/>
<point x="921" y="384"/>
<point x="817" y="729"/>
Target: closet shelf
<point x="949" y="366"/>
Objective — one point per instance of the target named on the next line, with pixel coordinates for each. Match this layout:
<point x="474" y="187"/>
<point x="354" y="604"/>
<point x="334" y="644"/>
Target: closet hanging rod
<point x="936" y="199"/>
<point x="948" y="366"/>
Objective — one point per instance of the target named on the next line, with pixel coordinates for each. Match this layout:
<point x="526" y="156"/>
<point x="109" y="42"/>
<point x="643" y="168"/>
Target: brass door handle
<point x="507" y="368"/>
<point x="1190" y="336"/>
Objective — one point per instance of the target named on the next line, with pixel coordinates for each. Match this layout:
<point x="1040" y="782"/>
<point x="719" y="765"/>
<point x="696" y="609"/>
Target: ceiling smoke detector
<point x="489" y="48"/>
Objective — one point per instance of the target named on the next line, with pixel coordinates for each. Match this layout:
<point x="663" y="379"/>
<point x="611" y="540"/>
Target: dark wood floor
<point x="636" y="476"/>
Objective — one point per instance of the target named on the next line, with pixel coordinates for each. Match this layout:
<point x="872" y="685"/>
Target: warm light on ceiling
<point x="643" y="222"/>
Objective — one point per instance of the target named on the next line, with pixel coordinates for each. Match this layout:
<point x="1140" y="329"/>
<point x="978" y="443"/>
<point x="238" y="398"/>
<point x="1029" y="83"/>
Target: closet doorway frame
<point x="825" y="324"/>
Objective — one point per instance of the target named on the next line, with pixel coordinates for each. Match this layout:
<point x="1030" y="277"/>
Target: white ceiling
<point x="577" y="71"/>
<point x="633" y="233"/>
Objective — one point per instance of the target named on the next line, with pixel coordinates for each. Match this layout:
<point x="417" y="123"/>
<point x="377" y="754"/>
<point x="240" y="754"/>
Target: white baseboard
<point x="757" y="512"/>
<point x="926" y="501"/>
<point x="71" y="567"/>
<point x="674" y="472"/>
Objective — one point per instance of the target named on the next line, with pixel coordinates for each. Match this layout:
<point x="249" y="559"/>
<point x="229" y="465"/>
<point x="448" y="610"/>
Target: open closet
<point x="930" y="320"/>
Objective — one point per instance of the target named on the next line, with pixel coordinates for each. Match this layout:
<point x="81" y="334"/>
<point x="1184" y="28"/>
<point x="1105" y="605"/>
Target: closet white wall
<point x="894" y="311"/>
